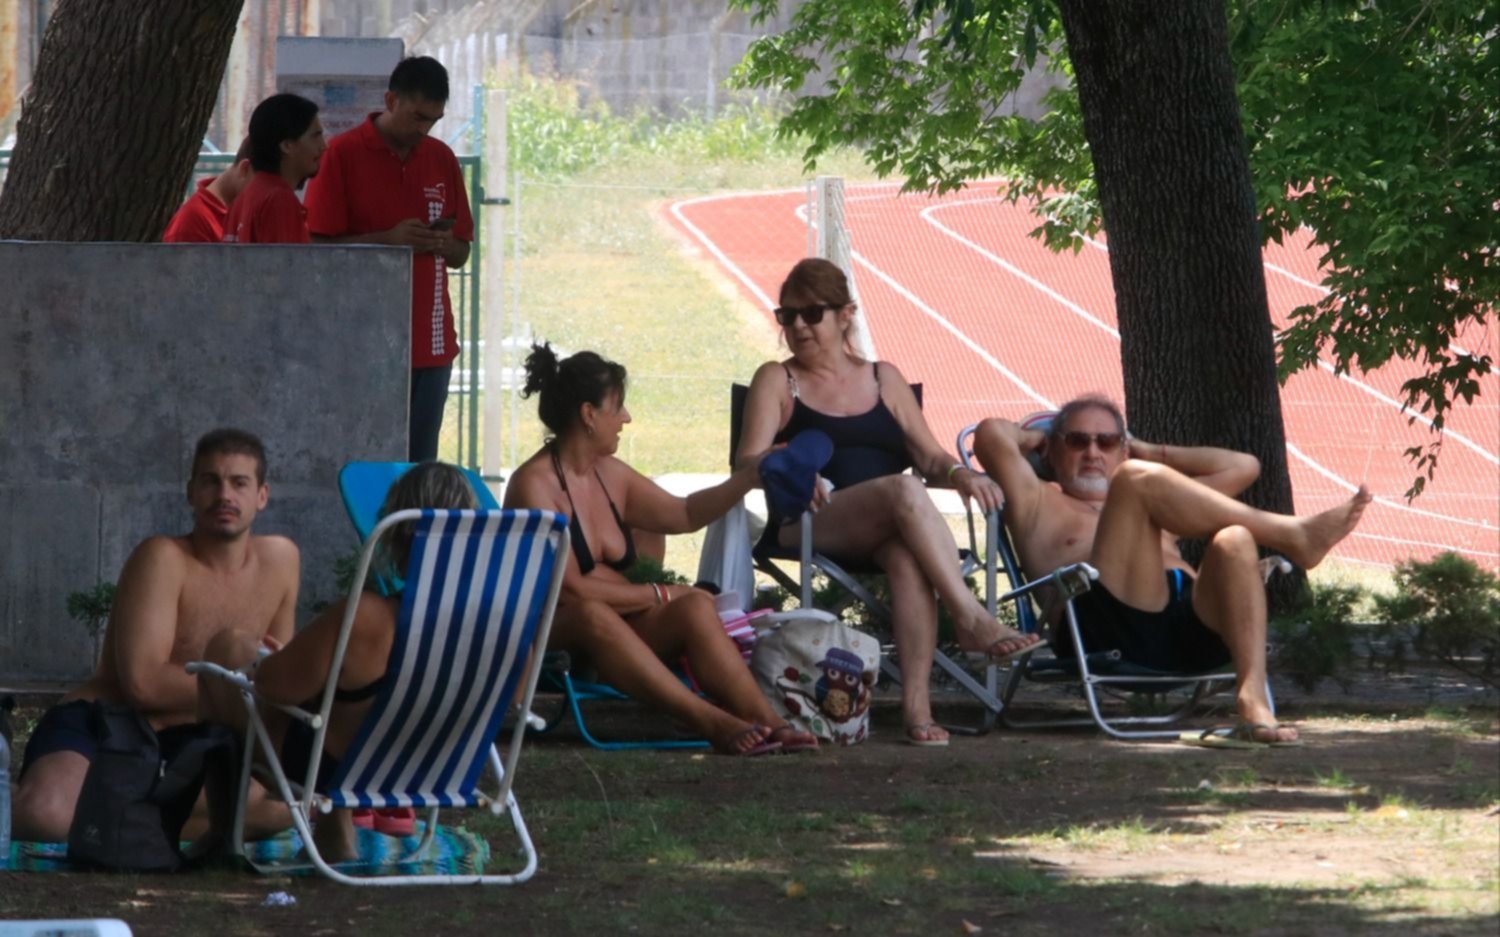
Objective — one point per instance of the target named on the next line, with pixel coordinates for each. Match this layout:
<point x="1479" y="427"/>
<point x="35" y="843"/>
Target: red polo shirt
<point x="363" y="188"/>
<point x="200" y="219"/>
<point x="266" y="212"/>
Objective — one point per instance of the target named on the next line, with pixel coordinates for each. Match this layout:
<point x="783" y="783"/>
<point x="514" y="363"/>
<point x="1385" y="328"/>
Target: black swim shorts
<point x="1173" y="640"/>
<point x="296" y="749"/>
<point x="66" y="728"/>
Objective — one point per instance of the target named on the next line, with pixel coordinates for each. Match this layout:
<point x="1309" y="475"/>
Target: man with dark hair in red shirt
<point x="387" y="182"/>
<point x="201" y="217"/>
<point x="286" y="142"/>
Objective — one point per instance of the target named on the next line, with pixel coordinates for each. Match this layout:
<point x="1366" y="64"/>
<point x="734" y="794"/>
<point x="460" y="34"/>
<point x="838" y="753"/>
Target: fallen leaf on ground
<point x="795" y="889"/>
<point x="893" y="902"/>
<point x="969" y="927"/>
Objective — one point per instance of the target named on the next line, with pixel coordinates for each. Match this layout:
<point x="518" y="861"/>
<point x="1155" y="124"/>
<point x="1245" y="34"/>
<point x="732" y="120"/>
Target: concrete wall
<point x="115" y="358"/>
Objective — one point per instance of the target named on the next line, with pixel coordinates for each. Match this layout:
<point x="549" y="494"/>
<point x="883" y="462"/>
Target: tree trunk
<point x="112" y="124"/>
<point x="1157" y="92"/>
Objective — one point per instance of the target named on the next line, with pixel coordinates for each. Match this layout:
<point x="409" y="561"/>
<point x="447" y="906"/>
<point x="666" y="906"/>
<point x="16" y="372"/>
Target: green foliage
<point x="554" y="132"/>
<point x="1314" y="640"/>
<point x="647" y="569"/>
<point x="91" y="607"/>
<point x="1448" y="609"/>
<point x="1372" y="125"/>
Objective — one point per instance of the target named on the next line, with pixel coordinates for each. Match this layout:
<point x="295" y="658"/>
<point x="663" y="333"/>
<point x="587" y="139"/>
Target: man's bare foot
<point x="1321" y="532"/>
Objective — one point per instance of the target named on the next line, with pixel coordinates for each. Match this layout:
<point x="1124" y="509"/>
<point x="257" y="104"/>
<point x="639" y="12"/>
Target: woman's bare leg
<point x="860" y="519"/>
<point x="914" y="625"/>
<point x="689" y="626"/>
<point x="627" y="659"/>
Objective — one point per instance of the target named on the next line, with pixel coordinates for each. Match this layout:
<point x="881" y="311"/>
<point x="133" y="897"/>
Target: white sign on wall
<point x="346" y="78"/>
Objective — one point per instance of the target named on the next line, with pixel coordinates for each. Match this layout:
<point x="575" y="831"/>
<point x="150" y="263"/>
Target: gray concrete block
<point x="115" y="358"/>
<point x="49" y="548"/>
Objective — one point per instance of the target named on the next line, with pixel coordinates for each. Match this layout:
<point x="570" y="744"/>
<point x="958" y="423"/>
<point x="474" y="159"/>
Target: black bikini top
<point x="581" y="551"/>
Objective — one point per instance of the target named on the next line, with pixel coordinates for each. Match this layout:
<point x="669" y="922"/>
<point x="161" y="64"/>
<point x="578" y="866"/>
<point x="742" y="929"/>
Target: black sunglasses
<point x="1078" y="442"/>
<point x="786" y="316"/>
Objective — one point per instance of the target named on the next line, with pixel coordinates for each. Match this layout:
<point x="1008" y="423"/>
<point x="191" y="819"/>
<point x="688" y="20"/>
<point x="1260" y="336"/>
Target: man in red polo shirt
<point x="286" y="142"/>
<point x="201" y="217"/>
<point x="387" y="182"/>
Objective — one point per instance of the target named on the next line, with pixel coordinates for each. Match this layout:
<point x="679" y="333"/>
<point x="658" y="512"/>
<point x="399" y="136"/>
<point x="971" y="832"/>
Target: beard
<point x="1090" y="484"/>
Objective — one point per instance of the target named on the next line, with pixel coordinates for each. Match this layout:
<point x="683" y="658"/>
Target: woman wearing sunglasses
<point x="630" y="630"/>
<point x="876" y="511"/>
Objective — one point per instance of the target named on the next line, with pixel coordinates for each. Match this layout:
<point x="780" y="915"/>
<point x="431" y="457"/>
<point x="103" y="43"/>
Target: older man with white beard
<point x="1120" y="504"/>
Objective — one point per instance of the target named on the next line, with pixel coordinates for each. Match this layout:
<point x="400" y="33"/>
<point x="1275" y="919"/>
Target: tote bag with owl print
<point x="818" y="673"/>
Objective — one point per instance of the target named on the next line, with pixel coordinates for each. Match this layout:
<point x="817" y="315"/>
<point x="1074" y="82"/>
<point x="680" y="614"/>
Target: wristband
<point x="953" y="470"/>
<point x="658" y="590"/>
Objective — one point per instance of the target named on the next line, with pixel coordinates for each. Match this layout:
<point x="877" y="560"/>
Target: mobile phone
<point x="443" y="224"/>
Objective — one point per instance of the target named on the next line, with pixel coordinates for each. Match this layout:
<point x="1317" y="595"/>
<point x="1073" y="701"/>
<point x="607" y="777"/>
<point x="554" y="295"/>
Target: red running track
<point x="993" y="323"/>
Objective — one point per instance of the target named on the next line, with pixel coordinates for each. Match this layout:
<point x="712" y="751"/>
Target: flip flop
<point x="809" y="745"/>
<point x="924" y="728"/>
<point x="1239" y="736"/>
<point x="988" y="656"/>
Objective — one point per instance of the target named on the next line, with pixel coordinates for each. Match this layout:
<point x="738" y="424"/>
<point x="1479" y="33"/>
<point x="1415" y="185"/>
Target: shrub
<point x="1447" y="609"/>
<point x="553" y="132"/>
<point x="647" y="569"/>
<point x="91" y="607"/>
<point x="1314" y="641"/>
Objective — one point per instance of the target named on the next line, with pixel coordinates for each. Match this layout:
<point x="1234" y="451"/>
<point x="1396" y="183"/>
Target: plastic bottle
<point x="4" y="799"/>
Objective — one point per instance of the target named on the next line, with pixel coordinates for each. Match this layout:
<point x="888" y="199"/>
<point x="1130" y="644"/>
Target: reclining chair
<point x="844" y="573"/>
<point x="1094" y="670"/>
<point x="480" y="591"/>
<point x="364" y="486"/>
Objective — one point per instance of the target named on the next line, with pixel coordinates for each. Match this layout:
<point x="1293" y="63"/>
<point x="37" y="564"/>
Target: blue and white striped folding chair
<point x="481" y="588"/>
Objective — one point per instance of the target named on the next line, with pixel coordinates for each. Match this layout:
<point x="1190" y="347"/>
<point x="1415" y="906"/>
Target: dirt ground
<point x="1384" y="822"/>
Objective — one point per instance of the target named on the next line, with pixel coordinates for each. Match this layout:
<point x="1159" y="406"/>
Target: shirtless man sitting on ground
<point x="173" y="595"/>
<point x="1120" y="504"/>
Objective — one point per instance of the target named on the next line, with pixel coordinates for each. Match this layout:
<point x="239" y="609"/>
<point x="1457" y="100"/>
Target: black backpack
<point x="136" y="798"/>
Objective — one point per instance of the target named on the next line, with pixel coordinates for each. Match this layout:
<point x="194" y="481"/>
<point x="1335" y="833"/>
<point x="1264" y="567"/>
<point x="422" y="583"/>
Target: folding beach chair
<point x="481" y="588"/>
<point x="845" y="573"/>
<point x="1094" y="670"/>
<point x="364" y="485"/>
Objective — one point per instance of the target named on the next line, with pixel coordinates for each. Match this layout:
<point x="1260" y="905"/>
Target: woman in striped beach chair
<point x="295" y="675"/>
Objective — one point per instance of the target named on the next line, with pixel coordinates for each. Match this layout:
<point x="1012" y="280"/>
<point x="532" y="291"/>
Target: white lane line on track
<point x="712" y="248"/>
<point x="1461" y="439"/>
<point x="955" y="331"/>
<point x="1422" y="543"/>
<point x="1075" y="308"/>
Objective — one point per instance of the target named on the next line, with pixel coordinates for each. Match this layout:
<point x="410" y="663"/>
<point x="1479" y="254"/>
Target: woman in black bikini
<point x="628" y="630"/>
<point x="876" y="510"/>
<point x="297" y="673"/>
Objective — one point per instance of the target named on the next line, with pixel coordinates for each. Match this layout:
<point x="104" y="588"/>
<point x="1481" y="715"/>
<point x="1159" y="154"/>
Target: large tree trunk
<point x="1163" y="124"/>
<point x="112" y="124"/>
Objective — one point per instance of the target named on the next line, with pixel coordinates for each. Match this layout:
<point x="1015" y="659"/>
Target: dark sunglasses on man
<point x="812" y="315"/>
<point x="1079" y="442"/>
